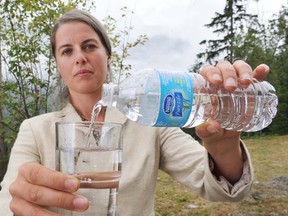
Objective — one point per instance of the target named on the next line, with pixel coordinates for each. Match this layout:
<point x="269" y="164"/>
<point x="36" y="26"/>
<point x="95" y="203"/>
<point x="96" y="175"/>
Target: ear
<point x="55" y="62"/>
<point x="109" y="60"/>
<point x="58" y="70"/>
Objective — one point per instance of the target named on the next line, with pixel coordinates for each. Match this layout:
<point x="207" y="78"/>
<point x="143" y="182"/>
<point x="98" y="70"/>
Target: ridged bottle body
<point x="181" y="99"/>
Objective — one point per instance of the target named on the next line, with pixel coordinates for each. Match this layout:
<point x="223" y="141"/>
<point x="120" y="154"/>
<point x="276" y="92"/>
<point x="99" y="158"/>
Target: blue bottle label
<point x="175" y="100"/>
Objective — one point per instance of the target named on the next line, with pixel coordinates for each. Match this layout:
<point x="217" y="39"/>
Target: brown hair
<point x="84" y="17"/>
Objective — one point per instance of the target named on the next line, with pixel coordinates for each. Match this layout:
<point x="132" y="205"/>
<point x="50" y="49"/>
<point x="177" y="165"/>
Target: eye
<point x="90" y="46"/>
<point x="67" y="51"/>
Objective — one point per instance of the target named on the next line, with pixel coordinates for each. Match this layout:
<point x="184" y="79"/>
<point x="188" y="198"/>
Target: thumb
<point x="210" y="129"/>
<point x="261" y="71"/>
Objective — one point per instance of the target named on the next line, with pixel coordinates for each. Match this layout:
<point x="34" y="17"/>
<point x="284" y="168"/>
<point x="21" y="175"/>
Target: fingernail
<point x="246" y="76"/>
<point x="217" y="77"/>
<point x="212" y="129"/>
<point x="230" y="82"/>
<point x="80" y="203"/>
<point x="266" y="67"/>
<point x="71" y="184"/>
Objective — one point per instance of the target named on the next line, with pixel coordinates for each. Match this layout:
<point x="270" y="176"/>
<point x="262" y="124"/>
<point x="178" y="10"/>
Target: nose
<point x="81" y="58"/>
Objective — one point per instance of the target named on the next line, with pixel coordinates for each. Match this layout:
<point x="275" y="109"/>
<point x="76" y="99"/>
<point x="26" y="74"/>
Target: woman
<point x="219" y="171"/>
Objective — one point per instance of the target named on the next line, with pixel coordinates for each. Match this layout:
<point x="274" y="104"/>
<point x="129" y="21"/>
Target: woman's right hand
<point x="37" y="187"/>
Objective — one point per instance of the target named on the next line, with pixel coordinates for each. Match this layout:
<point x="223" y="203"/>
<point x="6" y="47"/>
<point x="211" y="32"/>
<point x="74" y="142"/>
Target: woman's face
<point x="81" y="58"/>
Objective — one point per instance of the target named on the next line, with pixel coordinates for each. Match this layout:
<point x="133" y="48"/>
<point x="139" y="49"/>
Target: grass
<point x="270" y="159"/>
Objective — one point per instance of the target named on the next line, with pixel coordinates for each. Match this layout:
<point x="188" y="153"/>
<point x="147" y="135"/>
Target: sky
<point x="174" y="27"/>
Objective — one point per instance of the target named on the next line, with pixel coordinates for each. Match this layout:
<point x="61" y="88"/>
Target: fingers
<point x="212" y="74"/>
<point x="209" y="129"/>
<point x="214" y="137"/>
<point x="40" y="175"/>
<point x="212" y="131"/>
<point x="261" y="72"/>
<point x="48" y="197"/>
<point x="228" y="75"/>
<point x="38" y="186"/>
<point x="29" y="209"/>
<point x="244" y="72"/>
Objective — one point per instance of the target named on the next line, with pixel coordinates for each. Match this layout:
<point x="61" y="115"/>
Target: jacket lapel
<point x="69" y="114"/>
<point x="115" y="116"/>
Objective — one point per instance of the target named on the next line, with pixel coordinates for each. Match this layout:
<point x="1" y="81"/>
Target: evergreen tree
<point x="226" y="25"/>
<point x="278" y="43"/>
<point x="269" y="44"/>
<point x="255" y="43"/>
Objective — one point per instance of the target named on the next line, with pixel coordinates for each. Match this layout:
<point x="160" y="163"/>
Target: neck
<point x="84" y="105"/>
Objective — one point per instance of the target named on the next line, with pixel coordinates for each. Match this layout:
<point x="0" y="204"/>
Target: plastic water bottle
<point x="182" y="99"/>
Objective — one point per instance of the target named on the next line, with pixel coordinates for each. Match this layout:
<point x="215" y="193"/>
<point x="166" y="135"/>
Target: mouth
<point x="83" y="72"/>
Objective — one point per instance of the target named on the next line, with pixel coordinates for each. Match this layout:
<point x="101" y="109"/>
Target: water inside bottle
<point x="246" y="109"/>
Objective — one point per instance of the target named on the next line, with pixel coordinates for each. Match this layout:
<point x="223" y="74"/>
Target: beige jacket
<point x="145" y="150"/>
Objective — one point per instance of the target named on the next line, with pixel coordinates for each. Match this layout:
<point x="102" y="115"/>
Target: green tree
<point x="29" y="73"/>
<point x="226" y="25"/>
<point x="278" y="44"/>
<point x="229" y="27"/>
<point x="269" y="44"/>
<point x="258" y="43"/>
<point x="28" y="69"/>
<point x="121" y="41"/>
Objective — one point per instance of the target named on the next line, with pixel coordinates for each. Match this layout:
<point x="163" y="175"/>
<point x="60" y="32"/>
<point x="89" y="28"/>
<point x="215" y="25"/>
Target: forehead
<point x="74" y="31"/>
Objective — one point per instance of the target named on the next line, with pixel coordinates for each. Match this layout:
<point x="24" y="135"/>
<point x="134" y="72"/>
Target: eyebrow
<point x="84" y="42"/>
<point x="90" y="40"/>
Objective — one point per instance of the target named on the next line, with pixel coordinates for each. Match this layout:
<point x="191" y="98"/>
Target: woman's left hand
<point x="224" y="145"/>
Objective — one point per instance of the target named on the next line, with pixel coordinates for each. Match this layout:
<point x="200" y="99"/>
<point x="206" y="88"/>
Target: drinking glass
<point x="91" y="151"/>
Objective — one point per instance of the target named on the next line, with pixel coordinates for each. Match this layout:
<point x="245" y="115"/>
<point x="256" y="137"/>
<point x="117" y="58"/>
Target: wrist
<point x="229" y="164"/>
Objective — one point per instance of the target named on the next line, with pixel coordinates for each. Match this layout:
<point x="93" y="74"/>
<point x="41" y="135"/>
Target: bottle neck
<point x="110" y="93"/>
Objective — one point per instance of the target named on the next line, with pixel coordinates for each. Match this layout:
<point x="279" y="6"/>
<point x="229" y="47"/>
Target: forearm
<point x="229" y="164"/>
